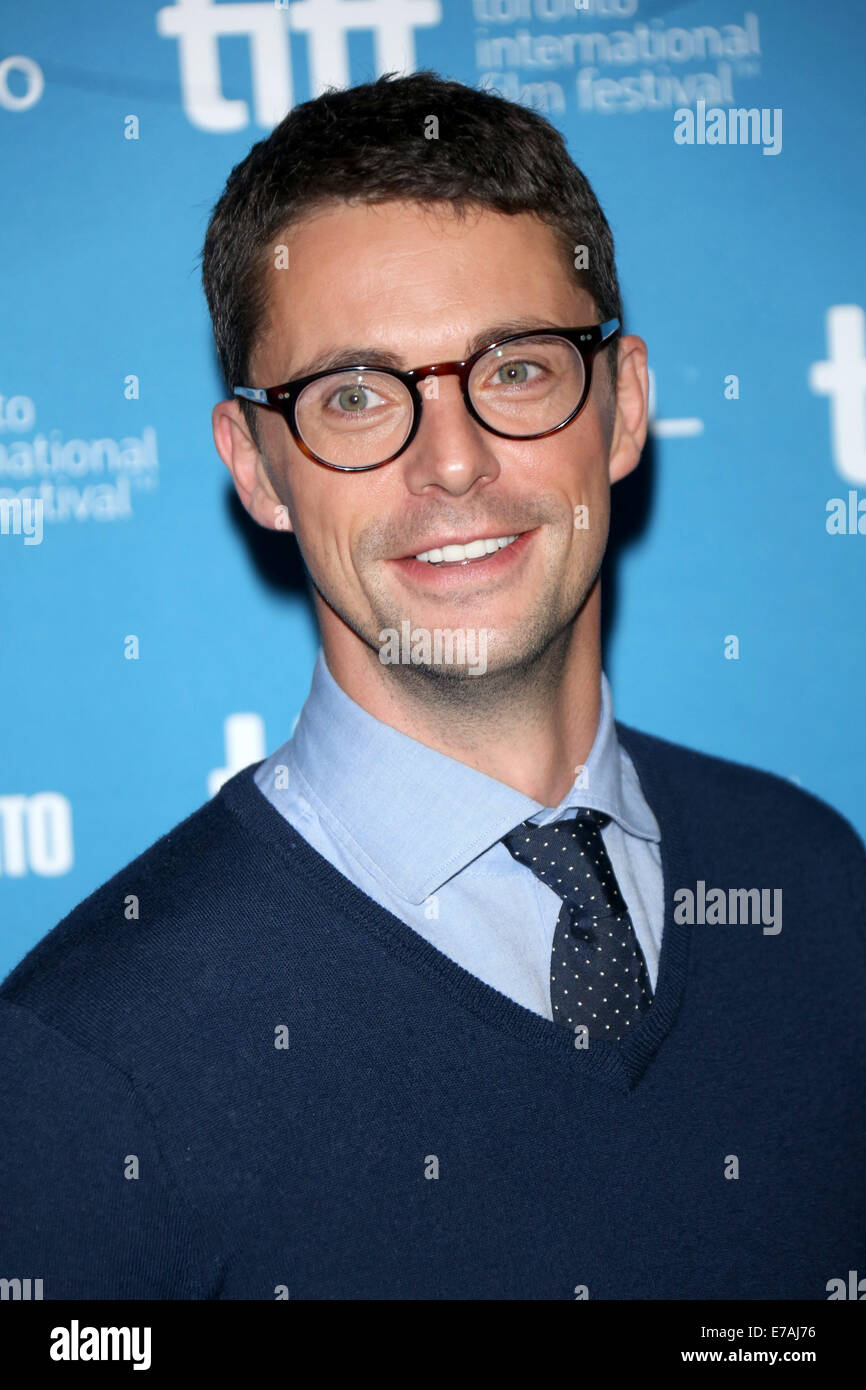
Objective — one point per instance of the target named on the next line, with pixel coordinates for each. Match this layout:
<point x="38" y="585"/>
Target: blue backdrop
<point x="154" y="640"/>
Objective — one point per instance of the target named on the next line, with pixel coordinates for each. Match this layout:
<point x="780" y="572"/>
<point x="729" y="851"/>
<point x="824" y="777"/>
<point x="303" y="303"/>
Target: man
<point x="467" y="991"/>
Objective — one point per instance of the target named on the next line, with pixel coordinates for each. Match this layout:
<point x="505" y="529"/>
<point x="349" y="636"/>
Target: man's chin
<point x="461" y="660"/>
<point x="435" y="654"/>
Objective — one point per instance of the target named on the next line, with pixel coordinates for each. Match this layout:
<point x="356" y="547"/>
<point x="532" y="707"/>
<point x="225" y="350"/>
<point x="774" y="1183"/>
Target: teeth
<point x="473" y="550"/>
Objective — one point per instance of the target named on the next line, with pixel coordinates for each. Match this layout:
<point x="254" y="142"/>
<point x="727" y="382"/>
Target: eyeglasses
<point x="525" y="386"/>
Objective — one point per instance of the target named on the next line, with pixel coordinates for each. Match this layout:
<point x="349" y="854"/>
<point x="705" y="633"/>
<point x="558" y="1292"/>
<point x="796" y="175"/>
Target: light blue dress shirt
<point x="420" y="833"/>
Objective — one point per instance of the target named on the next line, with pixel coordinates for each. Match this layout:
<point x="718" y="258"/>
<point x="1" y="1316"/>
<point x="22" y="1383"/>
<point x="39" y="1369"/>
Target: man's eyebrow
<point x="332" y="359"/>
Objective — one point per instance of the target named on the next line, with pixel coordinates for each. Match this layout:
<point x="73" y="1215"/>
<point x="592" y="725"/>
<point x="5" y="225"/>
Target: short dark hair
<point x="368" y="143"/>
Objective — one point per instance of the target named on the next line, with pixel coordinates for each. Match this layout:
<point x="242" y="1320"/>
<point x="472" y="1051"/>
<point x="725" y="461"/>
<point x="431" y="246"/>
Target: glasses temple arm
<point x="252" y="393"/>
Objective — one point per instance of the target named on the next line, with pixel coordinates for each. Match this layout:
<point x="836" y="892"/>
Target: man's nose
<point x="450" y="450"/>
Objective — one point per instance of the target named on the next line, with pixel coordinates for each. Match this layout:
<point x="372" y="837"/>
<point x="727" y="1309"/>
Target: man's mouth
<point x="461" y="553"/>
<point x="450" y="566"/>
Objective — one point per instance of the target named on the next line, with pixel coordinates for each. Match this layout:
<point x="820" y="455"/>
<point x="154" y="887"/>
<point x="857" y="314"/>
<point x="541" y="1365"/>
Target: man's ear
<point x="631" y="407"/>
<point x="241" y="456"/>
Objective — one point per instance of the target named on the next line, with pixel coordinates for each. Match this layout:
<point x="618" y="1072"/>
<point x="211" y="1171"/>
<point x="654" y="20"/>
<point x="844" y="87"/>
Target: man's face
<point x="422" y="286"/>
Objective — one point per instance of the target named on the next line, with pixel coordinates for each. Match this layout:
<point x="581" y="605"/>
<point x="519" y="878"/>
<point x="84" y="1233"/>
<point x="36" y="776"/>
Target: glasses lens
<point x="529" y="385"/>
<point x="354" y="418"/>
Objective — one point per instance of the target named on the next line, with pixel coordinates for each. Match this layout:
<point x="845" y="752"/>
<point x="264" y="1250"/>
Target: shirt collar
<point x="413" y="816"/>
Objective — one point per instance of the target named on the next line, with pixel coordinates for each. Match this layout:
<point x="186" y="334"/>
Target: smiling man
<point x="415" y="1007"/>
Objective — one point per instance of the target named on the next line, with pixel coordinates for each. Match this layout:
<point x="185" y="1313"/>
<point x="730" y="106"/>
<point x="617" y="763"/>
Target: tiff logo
<point x="22" y="1289"/>
<point x="199" y="24"/>
<point x="842" y="378"/>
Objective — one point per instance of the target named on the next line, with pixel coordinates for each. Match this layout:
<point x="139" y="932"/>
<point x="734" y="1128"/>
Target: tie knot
<point x="582" y="824"/>
<point x="587" y="815"/>
<point x="569" y="856"/>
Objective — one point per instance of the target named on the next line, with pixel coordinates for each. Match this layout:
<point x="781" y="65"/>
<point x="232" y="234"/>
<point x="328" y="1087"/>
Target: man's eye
<point x="354" y="400"/>
<point x="515" y="373"/>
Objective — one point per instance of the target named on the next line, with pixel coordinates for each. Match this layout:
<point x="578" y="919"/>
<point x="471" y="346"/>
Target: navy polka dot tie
<point x="598" y="976"/>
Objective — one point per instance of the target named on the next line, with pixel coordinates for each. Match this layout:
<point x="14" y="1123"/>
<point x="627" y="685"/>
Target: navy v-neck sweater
<point x="229" y="1074"/>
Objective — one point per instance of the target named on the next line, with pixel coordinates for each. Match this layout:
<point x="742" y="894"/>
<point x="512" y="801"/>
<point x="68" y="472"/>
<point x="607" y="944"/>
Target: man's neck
<point x="532" y="730"/>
